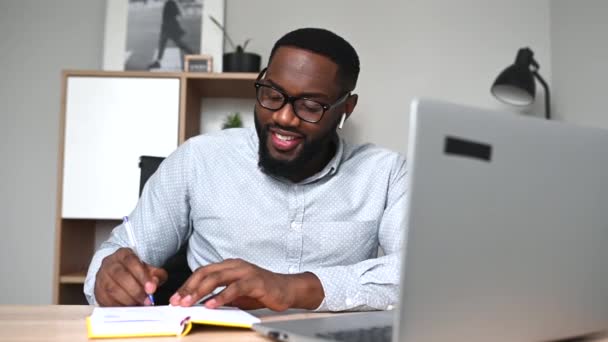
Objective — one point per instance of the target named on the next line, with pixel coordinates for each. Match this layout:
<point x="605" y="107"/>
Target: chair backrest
<point x="147" y="166"/>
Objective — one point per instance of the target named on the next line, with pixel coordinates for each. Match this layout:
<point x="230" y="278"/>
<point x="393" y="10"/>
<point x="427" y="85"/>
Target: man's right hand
<point x="124" y="280"/>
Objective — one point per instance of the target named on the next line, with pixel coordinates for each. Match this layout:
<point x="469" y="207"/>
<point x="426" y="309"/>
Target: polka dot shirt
<point x="211" y="195"/>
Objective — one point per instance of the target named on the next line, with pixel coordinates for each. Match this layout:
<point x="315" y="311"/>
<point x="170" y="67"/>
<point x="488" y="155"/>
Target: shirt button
<point x="296" y="225"/>
<point x="293" y="269"/>
<point x="348" y="301"/>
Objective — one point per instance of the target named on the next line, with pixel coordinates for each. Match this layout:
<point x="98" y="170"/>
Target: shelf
<point x="102" y="73"/>
<point x="75" y="237"/>
<point x="73" y="278"/>
<point x="198" y="86"/>
<point x="247" y="76"/>
<point x="189" y="75"/>
<point x="235" y="86"/>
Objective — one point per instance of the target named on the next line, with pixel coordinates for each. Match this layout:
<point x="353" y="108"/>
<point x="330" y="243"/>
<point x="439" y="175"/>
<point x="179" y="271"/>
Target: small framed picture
<point x="198" y="63"/>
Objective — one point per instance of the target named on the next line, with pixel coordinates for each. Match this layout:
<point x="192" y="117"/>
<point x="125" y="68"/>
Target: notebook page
<point x="161" y="320"/>
<point x="135" y="321"/>
<point x="226" y="316"/>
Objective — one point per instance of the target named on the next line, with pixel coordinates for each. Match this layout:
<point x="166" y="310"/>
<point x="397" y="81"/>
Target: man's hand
<point x="124" y="280"/>
<point x="250" y="287"/>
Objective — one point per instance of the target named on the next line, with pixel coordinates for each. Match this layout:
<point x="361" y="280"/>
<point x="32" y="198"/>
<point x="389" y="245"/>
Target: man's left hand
<point x="250" y="287"/>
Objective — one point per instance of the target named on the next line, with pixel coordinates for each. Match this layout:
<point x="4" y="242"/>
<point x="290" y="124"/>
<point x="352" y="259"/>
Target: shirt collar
<point x="332" y="167"/>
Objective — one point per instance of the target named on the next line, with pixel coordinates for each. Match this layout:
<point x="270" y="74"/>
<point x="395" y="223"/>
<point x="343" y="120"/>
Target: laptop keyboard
<point x="374" y="334"/>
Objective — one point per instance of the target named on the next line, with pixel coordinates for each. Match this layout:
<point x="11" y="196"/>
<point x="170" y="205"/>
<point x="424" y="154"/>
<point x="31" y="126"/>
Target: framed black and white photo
<point x="198" y="63"/>
<point x="156" y="35"/>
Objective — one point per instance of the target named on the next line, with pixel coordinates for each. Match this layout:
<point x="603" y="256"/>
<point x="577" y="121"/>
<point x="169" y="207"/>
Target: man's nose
<point x="286" y="116"/>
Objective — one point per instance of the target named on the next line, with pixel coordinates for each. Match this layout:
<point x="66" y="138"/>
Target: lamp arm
<point x="547" y="94"/>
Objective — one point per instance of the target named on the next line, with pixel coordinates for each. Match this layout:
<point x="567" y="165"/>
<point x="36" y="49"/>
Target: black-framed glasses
<point x="304" y="108"/>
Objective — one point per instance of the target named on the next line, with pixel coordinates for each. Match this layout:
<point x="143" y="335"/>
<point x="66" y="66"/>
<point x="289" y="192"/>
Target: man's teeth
<point x="284" y="137"/>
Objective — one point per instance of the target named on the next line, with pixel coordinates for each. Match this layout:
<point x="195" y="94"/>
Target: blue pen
<point x="129" y="228"/>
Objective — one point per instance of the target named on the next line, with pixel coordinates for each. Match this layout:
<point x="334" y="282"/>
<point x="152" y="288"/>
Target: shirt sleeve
<point x="372" y="284"/>
<point x="160" y="221"/>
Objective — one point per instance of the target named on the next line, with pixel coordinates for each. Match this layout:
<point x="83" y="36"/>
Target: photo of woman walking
<point x="160" y="33"/>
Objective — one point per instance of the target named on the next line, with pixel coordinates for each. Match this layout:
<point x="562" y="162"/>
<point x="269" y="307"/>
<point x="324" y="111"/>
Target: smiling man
<point x="286" y="216"/>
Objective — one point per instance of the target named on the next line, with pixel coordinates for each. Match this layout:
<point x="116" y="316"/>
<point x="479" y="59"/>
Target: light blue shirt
<point x="211" y="194"/>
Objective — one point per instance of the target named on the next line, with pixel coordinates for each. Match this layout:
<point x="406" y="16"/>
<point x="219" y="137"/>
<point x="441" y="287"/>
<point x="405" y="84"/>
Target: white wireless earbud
<point x="342" y="121"/>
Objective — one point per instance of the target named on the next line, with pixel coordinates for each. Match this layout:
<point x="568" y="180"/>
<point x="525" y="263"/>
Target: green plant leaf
<point x="233" y="121"/>
<point x="245" y="44"/>
<point x="223" y="30"/>
<point x="236" y="47"/>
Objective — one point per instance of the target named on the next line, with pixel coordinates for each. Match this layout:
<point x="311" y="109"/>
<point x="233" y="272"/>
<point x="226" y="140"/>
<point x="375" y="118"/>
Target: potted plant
<point x="239" y="60"/>
<point x="233" y="121"/>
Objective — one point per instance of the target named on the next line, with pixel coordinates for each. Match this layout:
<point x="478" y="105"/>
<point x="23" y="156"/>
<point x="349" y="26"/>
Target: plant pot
<point x="241" y="62"/>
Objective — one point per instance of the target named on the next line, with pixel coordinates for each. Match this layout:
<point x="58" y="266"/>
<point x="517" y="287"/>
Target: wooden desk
<point x="67" y="323"/>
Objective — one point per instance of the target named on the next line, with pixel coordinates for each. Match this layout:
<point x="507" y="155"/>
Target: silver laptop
<point x="507" y="238"/>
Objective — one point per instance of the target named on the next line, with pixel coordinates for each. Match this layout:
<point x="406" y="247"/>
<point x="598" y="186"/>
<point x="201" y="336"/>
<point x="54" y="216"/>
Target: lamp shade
<point x="515" y="86"/>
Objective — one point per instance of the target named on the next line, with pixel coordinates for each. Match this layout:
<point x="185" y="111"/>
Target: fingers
<point x="108" y="292"/>
<point x="203" y="282"/>
<point x="158" y="276"/>
<point x="229" y="294"/>
<point x="124" y="280"/>
<point x="139" y="271"/>
<point x="128" y="280"/>
<point x="198" y="286"/>
<point x="246" y="284"/>
<point x="247" y="295"/>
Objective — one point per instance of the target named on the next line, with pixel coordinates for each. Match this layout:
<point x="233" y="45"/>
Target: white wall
<point x="39" y="38"/>
<point x="407" y="48"/>
<point x="375" y="29"/>
<point x="580" y="61"/>
<point x="455" y="49"/>
<point x="439" y="48"/>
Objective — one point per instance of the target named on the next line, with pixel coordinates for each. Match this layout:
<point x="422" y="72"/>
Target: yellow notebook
<point x="145" y="321"/>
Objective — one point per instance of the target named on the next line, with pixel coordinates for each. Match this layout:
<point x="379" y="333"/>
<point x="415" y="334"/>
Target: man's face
<point x="288" y="144"/>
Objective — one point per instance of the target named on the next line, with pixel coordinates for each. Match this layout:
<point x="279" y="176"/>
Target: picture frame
<point x="117" y="56"/>
<point x="198" y="63"/>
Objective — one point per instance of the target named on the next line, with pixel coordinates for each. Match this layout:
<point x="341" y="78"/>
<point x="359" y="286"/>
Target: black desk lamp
<point x="515" y="85"/>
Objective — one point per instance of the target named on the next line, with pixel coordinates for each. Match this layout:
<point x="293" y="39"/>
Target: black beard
<point x="287" y="168"/>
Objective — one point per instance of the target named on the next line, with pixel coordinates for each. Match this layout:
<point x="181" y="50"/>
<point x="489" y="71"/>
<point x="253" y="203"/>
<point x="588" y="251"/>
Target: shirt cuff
<point x="341" y="289"/>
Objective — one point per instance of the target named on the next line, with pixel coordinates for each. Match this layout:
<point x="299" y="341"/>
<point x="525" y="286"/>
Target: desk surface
<point x="67" y="323"/>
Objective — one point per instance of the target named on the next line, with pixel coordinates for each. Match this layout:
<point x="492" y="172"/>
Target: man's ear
<point x="350" y="104"/>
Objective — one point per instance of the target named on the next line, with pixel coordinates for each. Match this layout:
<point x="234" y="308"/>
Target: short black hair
<point x="328" y="44"/>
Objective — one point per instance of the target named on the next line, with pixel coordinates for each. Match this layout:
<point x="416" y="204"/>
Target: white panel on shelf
<point x="110" y="123"/>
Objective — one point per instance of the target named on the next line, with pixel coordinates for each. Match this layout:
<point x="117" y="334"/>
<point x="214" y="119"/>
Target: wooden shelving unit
<point x="72" y="278"/>
<point x="198" y="86"/>
<point x="75" y="238"/>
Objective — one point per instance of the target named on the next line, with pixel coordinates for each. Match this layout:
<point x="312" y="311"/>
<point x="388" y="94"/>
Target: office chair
<point x="177" y="266"/>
